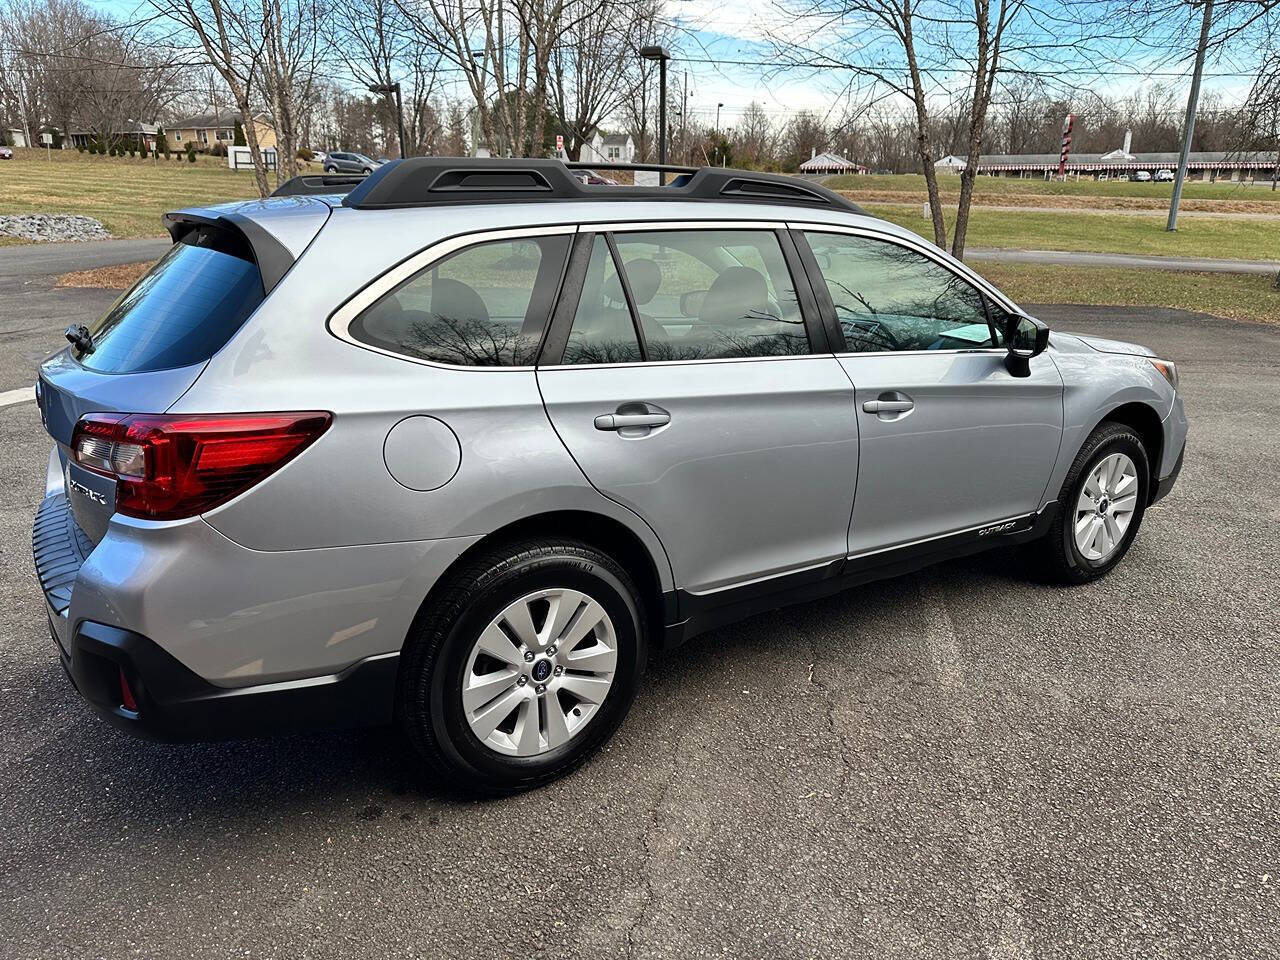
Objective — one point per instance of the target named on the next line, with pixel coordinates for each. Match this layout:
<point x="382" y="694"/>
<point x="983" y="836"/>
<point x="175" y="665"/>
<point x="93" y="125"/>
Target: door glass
<point x="889" y="297"/>
<point x="486" y="305"/>
<point x="602" y="329"/>
<point x="703" y="294"/>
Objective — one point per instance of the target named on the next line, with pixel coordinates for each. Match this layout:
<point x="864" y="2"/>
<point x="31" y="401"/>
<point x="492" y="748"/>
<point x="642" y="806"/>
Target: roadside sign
<point x="46" y="139"/>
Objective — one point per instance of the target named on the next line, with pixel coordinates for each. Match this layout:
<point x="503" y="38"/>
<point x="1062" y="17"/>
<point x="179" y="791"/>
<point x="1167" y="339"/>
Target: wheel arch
<point x="1143" y="419"/>
<point x="603" y="532"/>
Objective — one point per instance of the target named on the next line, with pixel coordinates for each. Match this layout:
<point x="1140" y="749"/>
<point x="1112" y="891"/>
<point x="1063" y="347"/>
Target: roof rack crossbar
<point x="430" y="181"/>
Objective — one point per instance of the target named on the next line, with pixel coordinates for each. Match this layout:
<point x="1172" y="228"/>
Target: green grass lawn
<point x="128" y="195"/>
<point x="1107" y="233"/>
<point x="995" y="187"/>
<point x="1249" y="297"/>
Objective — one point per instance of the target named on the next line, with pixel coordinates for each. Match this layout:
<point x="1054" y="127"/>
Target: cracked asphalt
<point x="957" y="763"/>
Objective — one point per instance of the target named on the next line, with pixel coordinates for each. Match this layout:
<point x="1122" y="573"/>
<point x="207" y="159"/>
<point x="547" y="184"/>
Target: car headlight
<point x="1168" y="370"/>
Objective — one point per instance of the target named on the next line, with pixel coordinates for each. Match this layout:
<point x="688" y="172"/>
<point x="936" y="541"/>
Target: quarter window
<point x="889" y="298"/>
<point x="486" y="305"/>
<point x="706" y="294"/>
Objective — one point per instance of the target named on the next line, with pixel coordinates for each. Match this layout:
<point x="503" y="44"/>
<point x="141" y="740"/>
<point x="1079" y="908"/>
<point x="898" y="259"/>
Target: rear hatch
<point x="148" y="349"/>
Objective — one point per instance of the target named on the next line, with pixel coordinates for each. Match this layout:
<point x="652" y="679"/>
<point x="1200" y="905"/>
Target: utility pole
<point x="1189" y="126"/>
<point x="662" y="56"/>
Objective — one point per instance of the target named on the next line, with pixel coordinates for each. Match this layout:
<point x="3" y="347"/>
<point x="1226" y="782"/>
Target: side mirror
<point x="691" y="302"/>
<point x="1025" y="337"/>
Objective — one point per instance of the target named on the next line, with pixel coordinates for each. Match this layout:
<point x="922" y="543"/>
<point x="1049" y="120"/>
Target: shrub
<point x="162" y="142"/>
<point x="305" y="154"/>
<point x="238" y="134"/>
<point x="80" y="148"/>
<point x="218" y="150"/>
<point x="191" y="153"/>
<point x="57" y="138"/>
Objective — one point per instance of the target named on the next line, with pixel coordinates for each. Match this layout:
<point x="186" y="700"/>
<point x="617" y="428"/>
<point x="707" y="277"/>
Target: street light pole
<point x="1190" y="125"/>
<point x="662" y="56"/>
<point x="387" y="88"/>
<point x="718" y="106"/>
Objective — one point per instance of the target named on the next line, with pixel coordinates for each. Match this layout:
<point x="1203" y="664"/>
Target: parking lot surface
<point x="957" y="763"/>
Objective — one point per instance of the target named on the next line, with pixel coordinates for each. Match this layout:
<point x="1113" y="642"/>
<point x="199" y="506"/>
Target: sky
<point x="722" y="50"/>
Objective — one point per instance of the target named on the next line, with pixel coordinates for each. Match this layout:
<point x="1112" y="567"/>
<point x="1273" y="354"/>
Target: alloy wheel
<point x="1106" y="506"/>
<point x="539" y="672"/>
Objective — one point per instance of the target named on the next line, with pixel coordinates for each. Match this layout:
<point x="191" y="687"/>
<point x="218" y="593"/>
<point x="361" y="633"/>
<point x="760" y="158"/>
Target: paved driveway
<point x="957" y="763"/>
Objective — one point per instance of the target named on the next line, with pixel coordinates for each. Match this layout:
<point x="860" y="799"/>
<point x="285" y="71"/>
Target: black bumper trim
<point x="1160" y="489"/>
<point x="175" y="704"/>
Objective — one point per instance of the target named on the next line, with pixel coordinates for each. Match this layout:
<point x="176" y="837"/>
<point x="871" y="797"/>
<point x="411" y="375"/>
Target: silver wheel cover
<point x="539" y="672"/>
<point x="1106" y="506"/>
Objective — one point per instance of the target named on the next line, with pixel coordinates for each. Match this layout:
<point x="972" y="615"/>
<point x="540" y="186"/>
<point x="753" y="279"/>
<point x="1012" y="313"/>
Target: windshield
<point x="182" y="311"/>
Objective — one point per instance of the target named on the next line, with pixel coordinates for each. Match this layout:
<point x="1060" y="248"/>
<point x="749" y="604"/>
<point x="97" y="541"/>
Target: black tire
<point x="330" y="169"/>
<point x="1061" y="558"/>
<point x="367" y="171"/>
<point x="434" y="660"/>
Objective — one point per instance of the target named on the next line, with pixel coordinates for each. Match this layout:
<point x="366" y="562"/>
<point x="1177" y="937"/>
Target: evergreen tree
<point x="239" y="140"/>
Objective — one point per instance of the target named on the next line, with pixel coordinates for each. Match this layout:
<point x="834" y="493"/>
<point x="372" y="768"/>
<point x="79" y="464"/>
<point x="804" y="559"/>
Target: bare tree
<point x="225" y="32"/>
<point x="291" y="41"/>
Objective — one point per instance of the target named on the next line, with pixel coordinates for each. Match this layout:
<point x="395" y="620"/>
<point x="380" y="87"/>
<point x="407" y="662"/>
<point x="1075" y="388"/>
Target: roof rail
<point x="316" y="184"/>
<point x="431" y="181"/>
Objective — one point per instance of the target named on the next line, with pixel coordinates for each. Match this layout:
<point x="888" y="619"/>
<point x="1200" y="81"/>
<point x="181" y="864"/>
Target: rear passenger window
<point x="603" y="331"/>
<point x="183" y="310"/>
<point x="485" y="306"/>
<point x="706" y="294"/>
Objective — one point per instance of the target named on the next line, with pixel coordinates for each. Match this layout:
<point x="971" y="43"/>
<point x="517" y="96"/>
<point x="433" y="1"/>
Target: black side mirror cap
<point x="1026" y="337"/>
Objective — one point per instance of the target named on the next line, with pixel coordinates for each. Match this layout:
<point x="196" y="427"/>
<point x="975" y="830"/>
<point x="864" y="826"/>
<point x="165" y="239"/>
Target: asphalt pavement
<point x="957" y="763"/>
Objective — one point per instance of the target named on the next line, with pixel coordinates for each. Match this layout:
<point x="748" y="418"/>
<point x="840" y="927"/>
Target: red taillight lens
<point x="169" y="467"/>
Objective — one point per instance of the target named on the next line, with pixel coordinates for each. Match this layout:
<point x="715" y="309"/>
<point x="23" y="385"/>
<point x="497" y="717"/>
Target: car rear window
<point x="183" y="310"/>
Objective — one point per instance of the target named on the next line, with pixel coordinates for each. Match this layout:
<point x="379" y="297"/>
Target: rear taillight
<point x="169" y="467"/>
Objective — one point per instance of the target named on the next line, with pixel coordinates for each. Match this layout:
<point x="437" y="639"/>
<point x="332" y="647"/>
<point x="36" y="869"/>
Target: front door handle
<point x="620" y="421"/>
<point x="888" y="406"/>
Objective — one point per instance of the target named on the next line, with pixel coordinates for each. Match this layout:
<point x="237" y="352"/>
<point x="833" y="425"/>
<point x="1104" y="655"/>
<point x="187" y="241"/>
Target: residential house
<point x="609" y="148"/>
<point x="219" y="126"/>
<point x="134" y="133"/>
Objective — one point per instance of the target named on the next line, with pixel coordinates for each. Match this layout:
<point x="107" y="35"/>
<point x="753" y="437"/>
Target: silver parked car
<point x="458" y="450"/>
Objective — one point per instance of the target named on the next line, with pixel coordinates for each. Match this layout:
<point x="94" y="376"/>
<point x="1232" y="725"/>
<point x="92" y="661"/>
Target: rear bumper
<point x="174" y="704"/>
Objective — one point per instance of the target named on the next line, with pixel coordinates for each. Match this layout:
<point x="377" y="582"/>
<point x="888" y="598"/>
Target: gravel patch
<point x="53" y="228"/>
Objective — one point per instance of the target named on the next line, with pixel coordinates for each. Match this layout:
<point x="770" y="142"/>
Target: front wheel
<point x="330" y="169"/>
<point x="367" y="171"/>
<point x="1101" y="505"/>
<point x="524" y="665"/>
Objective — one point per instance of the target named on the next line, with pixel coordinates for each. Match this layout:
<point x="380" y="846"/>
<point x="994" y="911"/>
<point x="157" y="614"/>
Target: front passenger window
<point x="890" y="298"/>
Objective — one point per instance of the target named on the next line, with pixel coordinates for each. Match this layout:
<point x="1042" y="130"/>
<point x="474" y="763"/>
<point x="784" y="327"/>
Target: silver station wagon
<point x="458" y="449"/>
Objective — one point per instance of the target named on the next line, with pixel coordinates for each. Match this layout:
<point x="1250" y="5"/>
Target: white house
<point x="609" y="148"/>
<point x="950" y="164"/>
<point x="17" y="136"/>
<point x="830" y="163"/>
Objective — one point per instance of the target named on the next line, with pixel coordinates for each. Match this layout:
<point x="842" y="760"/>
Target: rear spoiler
<point x="271" y="256"/>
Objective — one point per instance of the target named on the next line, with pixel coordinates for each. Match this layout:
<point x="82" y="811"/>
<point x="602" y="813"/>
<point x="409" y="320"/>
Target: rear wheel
<point x="523" y="666"/>
<point x="330" y="169"/>
<point x="1101" y="505"/>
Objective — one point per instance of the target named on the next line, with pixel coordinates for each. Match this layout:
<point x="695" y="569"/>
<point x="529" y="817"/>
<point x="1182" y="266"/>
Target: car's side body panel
<point x="976" y="447"/>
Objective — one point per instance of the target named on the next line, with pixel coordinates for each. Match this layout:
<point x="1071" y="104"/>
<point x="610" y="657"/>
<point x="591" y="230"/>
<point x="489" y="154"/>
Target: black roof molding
<point x="432" y="181"/>
<point x="317" y="185"/>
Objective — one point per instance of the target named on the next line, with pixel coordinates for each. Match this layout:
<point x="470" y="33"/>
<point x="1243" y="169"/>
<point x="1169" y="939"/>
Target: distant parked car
<point x="6" y="153"/>
<point x="319" y="156"/>
<point x="349" y="163"/>
<point x="1142" y="176"/>
<point x="1164" y="176"/>
<point x="1102" y="178"/>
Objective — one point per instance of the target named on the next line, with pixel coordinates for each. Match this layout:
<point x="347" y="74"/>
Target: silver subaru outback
<point x="456" y="450"/>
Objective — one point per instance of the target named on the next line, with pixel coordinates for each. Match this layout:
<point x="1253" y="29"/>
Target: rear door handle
<point x="619" y="421"/>
<point x="887" y="406"/>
